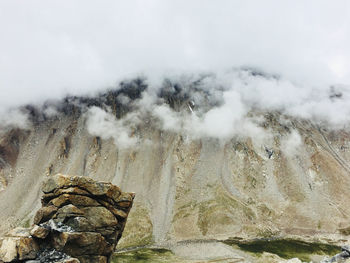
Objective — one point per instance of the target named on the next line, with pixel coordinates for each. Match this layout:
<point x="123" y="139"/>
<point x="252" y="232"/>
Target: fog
<point x="224" y="106"/>
<point x="49" y="49"/>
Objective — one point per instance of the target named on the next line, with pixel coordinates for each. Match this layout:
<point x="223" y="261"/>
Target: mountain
<point x="291" y="185"/>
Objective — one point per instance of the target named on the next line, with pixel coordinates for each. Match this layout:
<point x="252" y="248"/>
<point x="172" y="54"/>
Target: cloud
<point x="50" y="48"/>
<point x="222" y="106"/>
<point x="104" y="124"/>
<point x="225" y="118"/>
<point x="170" y="120"/>
<point x="290" y="145"/>
<point x="13" y="118"/>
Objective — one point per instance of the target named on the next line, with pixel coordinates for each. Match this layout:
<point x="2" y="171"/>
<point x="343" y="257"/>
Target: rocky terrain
<point x="80" y="220"/>
<point x="198" y="198"/>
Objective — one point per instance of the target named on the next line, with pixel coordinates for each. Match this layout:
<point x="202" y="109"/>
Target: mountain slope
<point x="293" y="183"/>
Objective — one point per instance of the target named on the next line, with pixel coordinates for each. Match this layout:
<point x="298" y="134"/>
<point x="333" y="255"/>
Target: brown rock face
<point x="80" y="217"/>
<point x="18" y="245"/>
<point x="39" y="232"/>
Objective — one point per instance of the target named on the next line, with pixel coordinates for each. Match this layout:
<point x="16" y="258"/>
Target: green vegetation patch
<point x="145" y="255"/>
<point x="138" y="230"/>
<point x="222" y="210"/>
<point x="26" y="223"/>
<point x="286" y="248"/>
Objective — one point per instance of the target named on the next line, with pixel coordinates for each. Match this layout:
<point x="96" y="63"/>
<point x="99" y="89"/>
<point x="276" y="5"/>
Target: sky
<point x="49" y="49"/>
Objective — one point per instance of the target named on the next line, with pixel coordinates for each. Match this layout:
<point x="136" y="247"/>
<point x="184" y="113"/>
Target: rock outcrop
<point x="340" y="257"/>
<point x="80" y="220"/>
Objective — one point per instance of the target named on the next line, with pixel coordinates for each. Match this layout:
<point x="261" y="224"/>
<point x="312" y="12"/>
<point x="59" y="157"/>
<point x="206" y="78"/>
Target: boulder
<point x="39" y="232"/>
<point x="27" y="248"/>
<point x="18" y="248"/>
<point x="92" y="187"/>
<point x="80" y="220"/>
<point x="82" y="243"/>
<point x="77" y="200"/>
<point x="100" y="216"/>
<point x="50" y="255"/>
<point x="68" y="211"/>
<point x="8" y="249"/>
<point x="44" y="214"/>
<point x="70" y="190"/>
<point x="80" y="224"/>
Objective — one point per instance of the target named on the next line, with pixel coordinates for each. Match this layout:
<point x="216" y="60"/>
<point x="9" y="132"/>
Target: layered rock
<point x="79" y="217"/>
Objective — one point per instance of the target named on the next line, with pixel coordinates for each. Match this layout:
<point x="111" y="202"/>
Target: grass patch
<point x="26" y="223"/>
<point x="145" y="255"/>
<point x="286" y="248"/>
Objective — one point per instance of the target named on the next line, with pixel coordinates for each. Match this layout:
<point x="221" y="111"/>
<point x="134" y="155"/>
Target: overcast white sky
<point x="49" y="48"/>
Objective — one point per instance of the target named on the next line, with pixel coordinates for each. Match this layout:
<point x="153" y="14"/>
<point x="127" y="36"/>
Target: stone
<point x="85" y="183"/>
<point x="19" y="232"/>
<point x="27" y="248"/>
<point x="46" y="198"/>
<point x="68" y="211"/>
<point x="99" y="216"/>
<point x="80" y="220"/>
<point x="77" y="200"/>
<point x="39" y="232"/>
<point x="340" y="257"/>
<point x="8" y="249"/>
<point x="57" y="225"/>
<point x="119" y="214"/>
<point x="107" y="231"/>
<point x="80" y="224"/>
<point x="18" y="244"/>
<point x="81" y="243"/>
<point x="18" y="248"/>
<point x="44" y="214"/>
<point x="125" y="200"/>
<point x="68" y="260"/>
<point x="71" y="190"/>
<point x="52" y="255"/>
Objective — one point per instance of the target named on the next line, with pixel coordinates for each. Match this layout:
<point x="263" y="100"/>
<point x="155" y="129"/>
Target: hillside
<point x="292" y="183"/>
